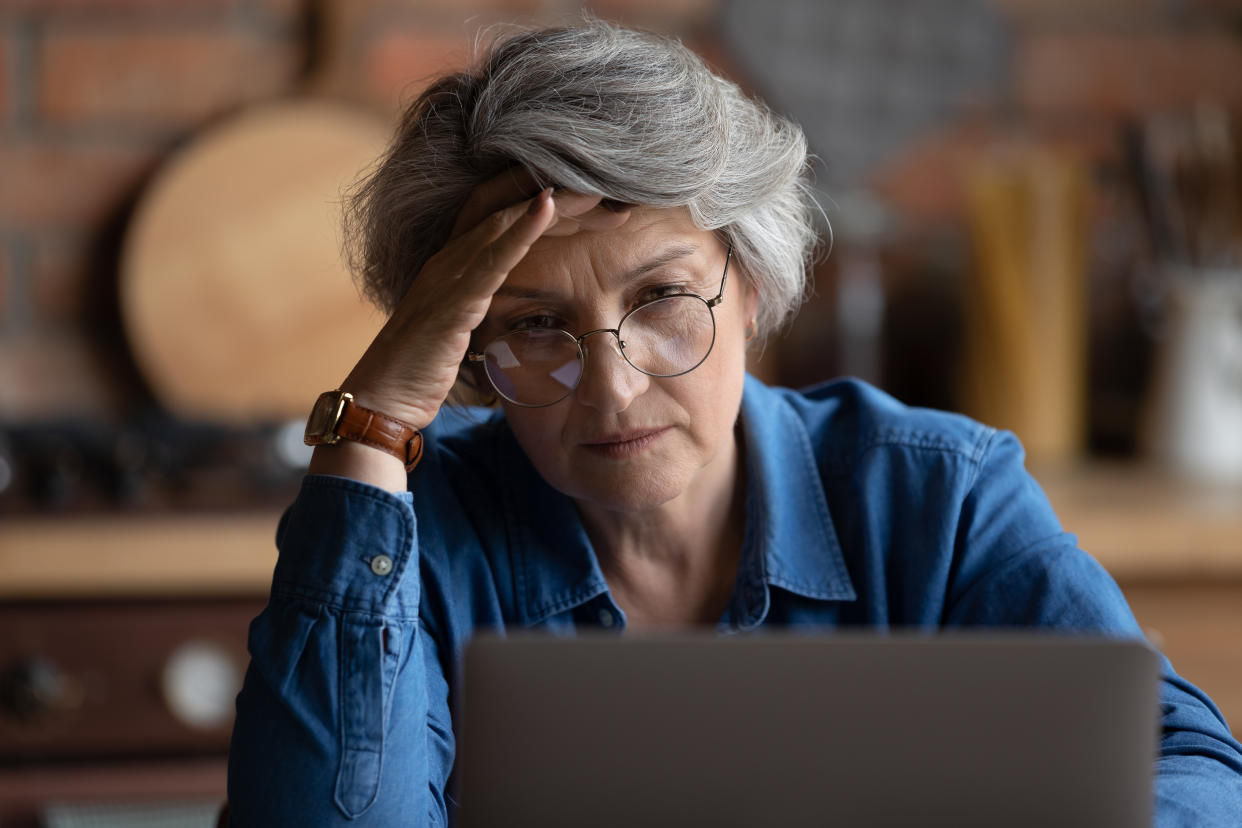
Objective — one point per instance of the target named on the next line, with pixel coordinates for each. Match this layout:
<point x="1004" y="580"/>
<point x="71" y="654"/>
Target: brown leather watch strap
<point x="382" y="432"/>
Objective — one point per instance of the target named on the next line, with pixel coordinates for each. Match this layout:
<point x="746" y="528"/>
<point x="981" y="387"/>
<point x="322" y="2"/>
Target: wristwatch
<point x="337" y="417"/>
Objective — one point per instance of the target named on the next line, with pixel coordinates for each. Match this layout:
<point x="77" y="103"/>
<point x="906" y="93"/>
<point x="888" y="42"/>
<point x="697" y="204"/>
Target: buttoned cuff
<point x="349" y="545"/>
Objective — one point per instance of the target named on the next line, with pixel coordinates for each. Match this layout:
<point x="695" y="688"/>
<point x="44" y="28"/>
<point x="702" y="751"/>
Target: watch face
<point x="320" y="428"/>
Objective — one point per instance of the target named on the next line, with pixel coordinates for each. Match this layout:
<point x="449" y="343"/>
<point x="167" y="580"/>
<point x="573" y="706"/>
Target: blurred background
<point x="1035" y="220"/>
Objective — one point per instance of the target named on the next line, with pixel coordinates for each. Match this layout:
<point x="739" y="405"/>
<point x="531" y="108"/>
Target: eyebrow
<point x="677" y="250"/>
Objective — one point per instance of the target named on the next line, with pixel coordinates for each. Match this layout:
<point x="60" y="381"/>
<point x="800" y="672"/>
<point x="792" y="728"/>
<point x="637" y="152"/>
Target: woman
<point x="632" y="476"/>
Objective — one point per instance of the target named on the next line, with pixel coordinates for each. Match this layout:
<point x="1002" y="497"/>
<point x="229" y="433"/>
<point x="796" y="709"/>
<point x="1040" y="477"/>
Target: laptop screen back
<point x="982" y="729"/>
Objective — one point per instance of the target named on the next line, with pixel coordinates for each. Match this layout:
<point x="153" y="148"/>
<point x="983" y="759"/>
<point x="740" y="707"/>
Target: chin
<point x="635" y="487"/>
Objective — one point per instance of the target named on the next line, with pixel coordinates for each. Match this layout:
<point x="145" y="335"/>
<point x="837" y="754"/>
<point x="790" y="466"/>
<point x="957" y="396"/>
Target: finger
<point x="458" y="253"/>
<point x="491" y="265"/>
<point x="598" y="218"/>
<point x="570" y="203"/>
<point x="449" y="270"/>
<point x="563" y="227"/>
<point x="569" y="206"/>
<point x="513" y="184"/>
<point x="604" y="218"/>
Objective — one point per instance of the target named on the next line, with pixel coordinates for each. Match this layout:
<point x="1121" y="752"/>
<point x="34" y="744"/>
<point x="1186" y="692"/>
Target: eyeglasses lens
<point x="669" y="336"/>
<point x="535" y="367"/>
<point x="541" y="366"/>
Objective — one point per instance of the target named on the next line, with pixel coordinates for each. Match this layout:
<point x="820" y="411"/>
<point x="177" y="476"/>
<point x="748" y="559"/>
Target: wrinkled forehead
<point x="651" y="239"/>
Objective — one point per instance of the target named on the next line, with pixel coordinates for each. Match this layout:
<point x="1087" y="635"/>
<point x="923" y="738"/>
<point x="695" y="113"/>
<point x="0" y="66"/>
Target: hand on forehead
<point x="574" y="211"/>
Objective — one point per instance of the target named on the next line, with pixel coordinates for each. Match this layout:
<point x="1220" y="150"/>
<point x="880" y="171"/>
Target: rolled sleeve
<point x="332" y="541"/>
<point x="317" y="740"/>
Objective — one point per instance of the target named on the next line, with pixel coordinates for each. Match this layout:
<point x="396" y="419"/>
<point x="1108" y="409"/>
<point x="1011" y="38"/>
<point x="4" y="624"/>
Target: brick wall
<point x="96" y="94"/>
<point x="1079" y="69"/>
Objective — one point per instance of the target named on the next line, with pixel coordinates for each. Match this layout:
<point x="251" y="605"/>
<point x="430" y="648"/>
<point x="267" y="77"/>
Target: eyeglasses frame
<point x="475" y="356"/>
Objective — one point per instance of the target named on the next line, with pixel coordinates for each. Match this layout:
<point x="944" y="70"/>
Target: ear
<point x="750" y="297"/>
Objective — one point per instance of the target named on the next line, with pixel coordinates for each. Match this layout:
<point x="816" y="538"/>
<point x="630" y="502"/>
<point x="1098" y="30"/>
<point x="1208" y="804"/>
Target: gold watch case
<point x="324" y="418"/>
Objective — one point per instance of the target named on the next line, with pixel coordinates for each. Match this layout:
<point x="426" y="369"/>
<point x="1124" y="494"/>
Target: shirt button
<point x="381" y="564"/>
<point x="605" y="617"/>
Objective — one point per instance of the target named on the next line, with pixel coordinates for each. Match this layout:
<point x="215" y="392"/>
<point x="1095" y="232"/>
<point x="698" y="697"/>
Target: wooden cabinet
<point x="1175" y="548"/>
<point x="1199" y="627"/>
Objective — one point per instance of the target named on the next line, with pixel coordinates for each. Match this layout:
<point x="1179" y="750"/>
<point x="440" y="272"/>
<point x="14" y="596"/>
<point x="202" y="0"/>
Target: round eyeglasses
<point x="666" y="337"/>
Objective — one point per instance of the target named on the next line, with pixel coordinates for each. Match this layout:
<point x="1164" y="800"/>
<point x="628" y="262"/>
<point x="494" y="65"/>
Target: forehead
<point x="606" y="254"/>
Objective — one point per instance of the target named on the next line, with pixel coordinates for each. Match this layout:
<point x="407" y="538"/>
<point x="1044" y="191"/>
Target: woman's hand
<point x="409" y="369"/>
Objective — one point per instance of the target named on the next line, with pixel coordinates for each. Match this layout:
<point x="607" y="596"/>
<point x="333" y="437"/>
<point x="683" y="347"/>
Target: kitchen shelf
<point x="1144" y="524"/>
<point x="136" y="556"/>
<point x="1141" y="524"/>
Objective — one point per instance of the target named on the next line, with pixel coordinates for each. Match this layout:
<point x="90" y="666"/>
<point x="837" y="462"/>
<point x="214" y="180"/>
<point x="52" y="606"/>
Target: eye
<point x="535" y="320"/>
<point x="654" y="292"/>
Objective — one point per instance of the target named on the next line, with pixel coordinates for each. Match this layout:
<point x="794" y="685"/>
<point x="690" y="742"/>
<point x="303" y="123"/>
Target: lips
<point x="625" y="443"/>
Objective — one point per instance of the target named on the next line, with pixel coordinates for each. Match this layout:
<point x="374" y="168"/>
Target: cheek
<point x="731" y="373"/>
<point x="539" y="432"/>
<point x="714" y="393"/>
<point x="536" y="430"/>
<point x="731" y="340"/>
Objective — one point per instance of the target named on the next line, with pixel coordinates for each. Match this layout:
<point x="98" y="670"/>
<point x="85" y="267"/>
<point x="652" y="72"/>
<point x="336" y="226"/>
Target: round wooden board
<point x="234" y="292"/>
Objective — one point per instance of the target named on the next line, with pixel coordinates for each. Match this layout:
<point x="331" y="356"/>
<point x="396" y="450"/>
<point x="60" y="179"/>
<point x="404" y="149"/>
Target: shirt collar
<point x="790" y="539"/>
<point x="791" y="542"/>
<point x="554" y="564"/>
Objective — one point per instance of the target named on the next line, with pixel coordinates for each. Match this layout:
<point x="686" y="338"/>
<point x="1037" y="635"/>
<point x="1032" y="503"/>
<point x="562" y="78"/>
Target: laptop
<point x="987" y="729"/>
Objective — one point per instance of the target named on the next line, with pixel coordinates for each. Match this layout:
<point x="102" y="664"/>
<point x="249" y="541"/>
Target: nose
<point x="609" y="384"/>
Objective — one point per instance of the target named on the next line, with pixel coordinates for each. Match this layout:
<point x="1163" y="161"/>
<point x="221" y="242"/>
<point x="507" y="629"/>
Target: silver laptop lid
<point x="788" y="730"/>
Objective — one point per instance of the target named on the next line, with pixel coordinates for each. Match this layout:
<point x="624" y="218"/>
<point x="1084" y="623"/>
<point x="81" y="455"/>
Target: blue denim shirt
<point x="860" y="512"/>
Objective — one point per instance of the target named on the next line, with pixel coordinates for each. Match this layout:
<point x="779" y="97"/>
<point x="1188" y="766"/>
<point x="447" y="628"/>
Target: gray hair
<point x="596" y="108"/>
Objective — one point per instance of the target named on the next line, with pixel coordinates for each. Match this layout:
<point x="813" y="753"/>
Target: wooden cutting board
<point x="234" y="293"/>
<point x="235" y="298"/>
